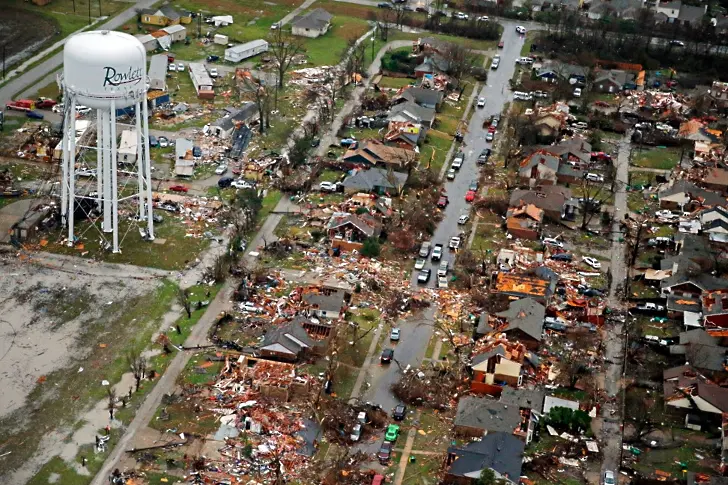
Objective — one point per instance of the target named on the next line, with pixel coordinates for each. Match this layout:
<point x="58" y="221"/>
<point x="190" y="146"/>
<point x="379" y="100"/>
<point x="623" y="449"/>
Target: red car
<point x="500" y="44"/>
<point x="44" y="103"/>
<point x="178" y="188"/>
<point x="470" y="196"/>
<point x="491" y="129"/>
<point x="603" y="104"/>
<point x="443" y="202"/>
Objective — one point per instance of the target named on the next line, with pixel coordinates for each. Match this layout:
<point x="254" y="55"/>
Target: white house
<point x="127" y="152"/>
<point x="158" y="72"/>
<point x="670" y="9"/>
<point x="313" y="24"/>
<point x="243" y="51"/>
<point x="176" y="32"/>
<point x="224" y="127"/>
<point x="184" y="163"/>
<point x="148" y="41"/>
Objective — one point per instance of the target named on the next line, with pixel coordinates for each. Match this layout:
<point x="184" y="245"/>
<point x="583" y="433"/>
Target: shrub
<point x="370" y="248"/>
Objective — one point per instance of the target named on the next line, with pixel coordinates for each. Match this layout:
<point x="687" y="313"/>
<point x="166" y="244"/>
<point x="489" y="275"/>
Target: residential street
<point x="416" y="332"/>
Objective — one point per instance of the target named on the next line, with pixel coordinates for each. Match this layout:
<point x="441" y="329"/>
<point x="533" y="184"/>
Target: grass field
<point x="328" y="49"/>
<point x="660" y="158"/>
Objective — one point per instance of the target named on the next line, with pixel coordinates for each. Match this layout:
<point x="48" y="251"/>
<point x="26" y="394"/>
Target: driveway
<point x="417" y="330"/>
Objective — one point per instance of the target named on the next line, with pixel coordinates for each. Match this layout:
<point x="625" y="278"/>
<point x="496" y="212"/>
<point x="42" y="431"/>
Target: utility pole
<point x="74" y="6"/>
<point x="4" y="46"/>
<point x="100" y="15"/>
<point x="89" y="12"/>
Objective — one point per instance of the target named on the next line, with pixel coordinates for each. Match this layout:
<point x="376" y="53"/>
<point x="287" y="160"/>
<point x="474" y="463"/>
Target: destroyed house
<point x="694" y="393"/>
<point x="349" y="231"/>
<point x="516" y="414"/>
<point x="525" y="285"/>
<point x="523" y="321"/>
<point x="225" y="126"/>
<point x="716" y="179"/>
<point x="370" y="153"/>
<point x="409" y="111"/>
<point x="275" y="380"/>
<point x="325" y="304"/>
<point x="498" y="451"/>
<point x="686" y="196"/>
<point x="715" y="312"/>
<point x="287" y="342"/>
<point x="539" y="168"/>
<point x="552" y="199"/>
<point x="496" y="365"/>
<point x="701" y="350"/>
<point x="524" y="222"/>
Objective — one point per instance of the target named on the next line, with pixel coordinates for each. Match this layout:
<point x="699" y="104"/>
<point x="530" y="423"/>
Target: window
<point x="146" y="18"/>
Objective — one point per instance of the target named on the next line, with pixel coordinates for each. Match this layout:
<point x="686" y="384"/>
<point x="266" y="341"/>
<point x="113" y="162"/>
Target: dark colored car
<point x="384" y="5"/>
<point x="593" y="292"/>
<point x="387" y="355"/>
<point x="153" y="142"/>
<point x="400" y="411"/>
<point x="424" y="276"/>
<point x="442" y="202"/>
<point x="212" y="58"/>
<point x="562" y="257"/>
<point x="473" y="185"/>
<point x="385" y="452"/>
<point x="196" y="152"/>
<point x="225" y="182"/>
<point x="34" y="115"/>
<point x="500" y="44"/>
<point x="421" y="9"/>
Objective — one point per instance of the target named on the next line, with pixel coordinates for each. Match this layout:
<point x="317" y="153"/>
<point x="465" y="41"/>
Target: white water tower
<point x="106" y="72"/>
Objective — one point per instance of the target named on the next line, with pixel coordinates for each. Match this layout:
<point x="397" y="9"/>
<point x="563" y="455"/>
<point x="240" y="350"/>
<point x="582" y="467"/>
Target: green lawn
<point x="436" y="432"/>
<point x="660" y="158"/>
<point x="528" y="42"/>
<point x="641" y="178"/>
<point x="328" y="49"/>
<point x="636" y="202"/>
<point x="434" y="151"/>
<point x="395" y="82"/>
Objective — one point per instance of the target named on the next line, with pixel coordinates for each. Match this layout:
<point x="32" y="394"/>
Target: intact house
<point x="623" y="9"/>
<point x="225" y="126"/>
<point x="289" y="342"/>
<point x="538" y="168"/>
<point x="515" y="413"/>
<point x="701" y="350"/>
<point x="522" y="321"/>
<point x="241" y="52"/>
<point x="312" y="24"/>
<point x="715" y="223"/>
<point x="326" y="304"/>
<point x="612" y="81"/>
<point x="427" y="98"/>
<point x="574" y="151"/>
<point x="431" y="65"/>
<point x="684" y="195"/>
<point x="716" y="179"/>
<point x="525" y="222"/>
<point x="409" y="111"/>
<point x="201" y="80"/>
<point x="555" y="201"/>
<point x="497" y="451"/>
<point x="163" y="16"/>
<point x="372" y="153"/>
<point x="554" y="71"/>
<point x="349" y="231"/>
<point x="377" y="180"/>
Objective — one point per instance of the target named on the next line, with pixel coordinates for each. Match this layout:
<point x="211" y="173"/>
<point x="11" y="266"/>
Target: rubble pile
<point x="33" y="141"/>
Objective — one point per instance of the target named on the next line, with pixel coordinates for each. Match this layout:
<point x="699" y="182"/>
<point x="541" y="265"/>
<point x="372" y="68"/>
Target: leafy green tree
<point x="370" y="248"/>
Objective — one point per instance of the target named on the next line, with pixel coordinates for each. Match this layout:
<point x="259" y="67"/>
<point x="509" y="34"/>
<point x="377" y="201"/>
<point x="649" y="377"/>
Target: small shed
<point x="148" y="41"/>
<point x="127" y="152"/>
<point x="176" y="32"/>
<point x="220" y="39"/>
<point x="244" y="51"/>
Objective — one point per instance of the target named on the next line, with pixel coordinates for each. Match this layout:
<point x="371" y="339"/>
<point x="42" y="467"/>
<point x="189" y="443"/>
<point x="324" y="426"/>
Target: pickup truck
<point x="21" y="105"/>
<point x="650" y="307"/>
<point x="458" y="161"/>
<point x="437" y="252"/>
<point x="454" y="243"/>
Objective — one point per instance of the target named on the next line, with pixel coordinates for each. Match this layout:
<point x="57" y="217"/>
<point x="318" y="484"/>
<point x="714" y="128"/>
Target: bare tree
<point x="400" y="13"/>
<point x="183" y="298"/>
<point x="138" y="365"/>
<point x="460" y="61"/>
<point x="283" y="47"/>
<point x="594" y="193"/>
<point x="385" y="19"/>
<point x="256" y="90"/>
<point x="574" y="361"/>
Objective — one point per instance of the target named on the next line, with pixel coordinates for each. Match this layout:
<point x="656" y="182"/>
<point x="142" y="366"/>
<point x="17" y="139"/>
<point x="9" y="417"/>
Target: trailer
<point x="244" y="51"/>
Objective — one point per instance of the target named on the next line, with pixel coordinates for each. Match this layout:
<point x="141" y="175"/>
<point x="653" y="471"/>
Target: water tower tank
<point x="100" y="66"/>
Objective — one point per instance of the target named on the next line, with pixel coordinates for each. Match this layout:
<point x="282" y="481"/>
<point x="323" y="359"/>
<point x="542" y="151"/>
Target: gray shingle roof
<point x="290" y="335"/>
<point x="487" y="414"/>
<point x="501" y="452"/>
<point x="425" y="115"/>
<point x="526" y="314"/>
<point x="422" y="96"/>
<point x="315" y="19"/>
<point x="368" y="180"/>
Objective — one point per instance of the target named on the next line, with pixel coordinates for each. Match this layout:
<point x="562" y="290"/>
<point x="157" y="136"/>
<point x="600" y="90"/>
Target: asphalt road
<point x="416" y="331"/>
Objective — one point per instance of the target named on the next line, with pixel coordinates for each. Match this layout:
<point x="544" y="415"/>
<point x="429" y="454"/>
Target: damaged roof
<point x="527" y="315"/>
<point x="487" y="414"/>
<point x="365" y="223"/>
<point x="501" y="452"/>
<point x="289" y="338"/>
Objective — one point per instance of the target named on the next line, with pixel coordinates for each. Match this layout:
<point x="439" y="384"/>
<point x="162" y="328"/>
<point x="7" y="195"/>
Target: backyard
<point x="659" y="157"/>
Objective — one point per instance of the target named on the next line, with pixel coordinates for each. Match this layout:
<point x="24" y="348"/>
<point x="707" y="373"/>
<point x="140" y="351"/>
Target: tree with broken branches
<point x="460" y="61"/>
<point x="258" y="92"/>
<point x="185" y="301"/>
<point x="283" y="47"/>
<point x="138" y="365"/>
<point x="594" y="194"/>
<point x="639" y="414"/>
<point x="385" y="19"/>
<point x="574" y="361"/>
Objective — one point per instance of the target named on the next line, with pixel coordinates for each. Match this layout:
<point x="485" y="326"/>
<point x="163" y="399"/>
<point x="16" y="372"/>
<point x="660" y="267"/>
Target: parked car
<point x="525" y="60"/>
<point x="178" y="188"/>
<point x="421" y="9"/>
<point x="666" y="214"/>
<point x="420" y="263"/>
<point x="213" y="72"/>
<point x="481" y="102"/>
<point x="521" y="29"/>
<point x="470" y="196"/>
<point x="387" y="356"/>
<point x="355" y="433"/>
<point x="213" y="58"/>
<point x="242" y="184"/>
<point x="463" y="219"/>
<point x="593" y="262"/>
<point x="221" y="169"/>
<point x="424" y="276"/>
<point x="653" y="307"/>
<point x="437" y="253"/>
<point x="451" y="173"/>
<point x="678" y="43"/>
<point x="592" y="292"/>
<point x="153" y="142"/>
<point x="394" y="335"/>
<point x="34" y="115"/>
<point x="577" y="92"/>
<point x="180" y="67"/>
<point x="443" y="201"/>
<point x="562" y="257"/>
<point x="425" y="249"/>
<point x="500" y="44"/>
<point x="608" y="478"/>
<point x="328" y="187"/>
<point x="455" y="243"/>
<point x="347" y="142"/>
<point x="496" y="62"/>
<point x="399" y="413"/>
<point x="484" y="156"/>
<point x="594" y="177"/>
<point x="461" y="16"/>
<point x="442" y="282"/>
<point x="163" y="142"/>
<point x="172" y="67"/>
<point x="443" y="268"/>
<point x="225" y="182"/>
<point x="384" y="5"/>
<point x="392" y="433"/>
<point x="489" y="136"/>
<point x="86" y="172"/>
<point x="549" y="241"/>
<point x="457" y="162"/>
<point x="83" y="110"/>
<point x="483" y="18"/>
<point x="473" y="185"/>
<point x="385" y="452"/>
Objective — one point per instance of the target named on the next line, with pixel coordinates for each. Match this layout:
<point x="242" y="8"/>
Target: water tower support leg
<point x="99" y="163"/>
<point x="114" y="186"/>
<point x="68" y="125"/>
<point x="109" y="141"/>
<point x="139" y="159"/>
<point x="72" y="173"/>
<point x="147" y="169"/>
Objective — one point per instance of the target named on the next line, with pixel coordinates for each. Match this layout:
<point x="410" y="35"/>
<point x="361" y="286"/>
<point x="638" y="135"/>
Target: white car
<point x="163" y="142"/>
<point x="221" y="169"/>
<point x="443" y="268"/>
<point x="489" y="136"/>
<point x="525" y="60"/>
<point x="86" y="172"/>
<point x="461" y="16"/>
<point x="250" y="307"/>
<point x="521" y="29"/>
<point x="172" y="67"/>
<point x="180" y="67"/>
<point x="594" y="177"/>
<point x="82" y="110"/>
<point x="495" y="63"/>
<point x="481" y="102"/>
<point x="442" y="281"/>
<point x="549" y="241"/>
<point x="577" y="93"/>
<point x="463" y="219"/>
<point x="454" y="243"/>
<point x="420" y="263"/>
<point x="608" y="478"/>
<point x="592" y="262"/>
<point x="242" y="184"/>
<point x="665" y="214"/>
<point x="328" y="187"/>
<point x="451" y="174"/>
<point x="213" y="72"/>
<point x="483" y="18"/>
<point x="356" y="433"/>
